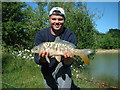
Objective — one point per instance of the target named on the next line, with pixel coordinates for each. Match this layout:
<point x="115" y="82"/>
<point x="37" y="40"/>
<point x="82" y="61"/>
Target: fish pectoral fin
<point x="47" y="59"/>
<point x="58" y="58"/>
<point x="85" y="59"/>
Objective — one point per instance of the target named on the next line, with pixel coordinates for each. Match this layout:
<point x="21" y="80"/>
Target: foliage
<point x="109" y="40"/>
<point x="115" y="35"/>
<point x="12" y="23"/>
<point x="21" y="22"/>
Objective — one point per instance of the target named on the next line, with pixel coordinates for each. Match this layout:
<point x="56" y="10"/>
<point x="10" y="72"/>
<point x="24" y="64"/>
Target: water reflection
<point x="104" y="66"/>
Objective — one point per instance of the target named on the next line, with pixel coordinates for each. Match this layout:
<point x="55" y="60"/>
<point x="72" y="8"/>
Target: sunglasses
<point x="59" y="19"/>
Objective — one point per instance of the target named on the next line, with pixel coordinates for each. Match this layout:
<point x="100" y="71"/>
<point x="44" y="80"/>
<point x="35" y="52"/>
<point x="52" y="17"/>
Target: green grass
<point x="24" y="73"/>
<point x="20" y="72"/>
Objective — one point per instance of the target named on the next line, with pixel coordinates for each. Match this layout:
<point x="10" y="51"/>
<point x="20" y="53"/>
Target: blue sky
<point x="110" y="15"/>
<point x="109" y="20"/>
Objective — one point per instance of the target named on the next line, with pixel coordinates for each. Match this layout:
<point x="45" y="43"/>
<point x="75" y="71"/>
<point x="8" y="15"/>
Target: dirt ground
<point x="108" y="51"/>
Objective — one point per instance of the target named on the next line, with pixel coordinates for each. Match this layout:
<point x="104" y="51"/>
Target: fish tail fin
<point x="83" y="54"/>
<point x="84" y="58"/>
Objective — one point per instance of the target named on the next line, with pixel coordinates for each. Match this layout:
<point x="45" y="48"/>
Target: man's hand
<point x="67" y="54"/>
<point x="68" y="58"/>
<point x="43" y="53"/>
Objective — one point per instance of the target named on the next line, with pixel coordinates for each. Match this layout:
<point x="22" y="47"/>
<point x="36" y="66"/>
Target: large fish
<point x="57" y="48"/>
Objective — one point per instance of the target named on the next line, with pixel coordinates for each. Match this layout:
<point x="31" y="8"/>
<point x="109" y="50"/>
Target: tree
<point x="81" y="23"/>
<point x="20" y="24"/>
<point x="115" y="35"/>
<point x="108" y="40"/>
<point x="12" y="21"/>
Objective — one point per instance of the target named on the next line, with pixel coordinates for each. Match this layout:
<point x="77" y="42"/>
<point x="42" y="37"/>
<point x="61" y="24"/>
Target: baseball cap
<point x="59" y="9"/>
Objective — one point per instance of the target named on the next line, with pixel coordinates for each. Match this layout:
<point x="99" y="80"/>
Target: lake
<point x="104" y="67"/>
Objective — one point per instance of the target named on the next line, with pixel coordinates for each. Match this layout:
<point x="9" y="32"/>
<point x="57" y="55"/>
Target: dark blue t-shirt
<point x="45" y="35"/>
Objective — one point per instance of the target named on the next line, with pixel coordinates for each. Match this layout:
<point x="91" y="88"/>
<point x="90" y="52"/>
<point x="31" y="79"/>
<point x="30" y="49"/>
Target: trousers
<point x="57" y="78"/>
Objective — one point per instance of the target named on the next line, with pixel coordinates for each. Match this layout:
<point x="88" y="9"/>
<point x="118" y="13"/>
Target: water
<point x="104" y="67"/>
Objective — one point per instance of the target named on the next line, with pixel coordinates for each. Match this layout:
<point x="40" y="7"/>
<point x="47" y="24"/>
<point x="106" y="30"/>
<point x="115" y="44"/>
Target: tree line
<point x="20" y="23"/>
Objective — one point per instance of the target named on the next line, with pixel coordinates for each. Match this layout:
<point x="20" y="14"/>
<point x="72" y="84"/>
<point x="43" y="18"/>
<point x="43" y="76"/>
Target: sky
<point x="109" y="20"/>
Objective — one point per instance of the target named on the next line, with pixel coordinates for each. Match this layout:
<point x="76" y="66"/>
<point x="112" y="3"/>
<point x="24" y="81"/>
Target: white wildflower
<point x="12" y="52"/>
<point x="25" y="50"/>
<point x="19" y="54"/>
<point x="80" y="65"/>
<point x="19" y="51"/>
<point x="24" y="56"/>
<point x="28" y="50"/>
<point x="77" y="75"/>
<point x="27" y="57"/>
<point x="73" y="69"/>
<point x="32" y="57"/>
<point x="76" y="71"/>
<point x="22" y="51"/>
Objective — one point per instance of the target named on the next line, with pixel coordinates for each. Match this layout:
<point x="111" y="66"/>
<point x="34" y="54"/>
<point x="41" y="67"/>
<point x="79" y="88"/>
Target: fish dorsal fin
<point x="58" y="40"/>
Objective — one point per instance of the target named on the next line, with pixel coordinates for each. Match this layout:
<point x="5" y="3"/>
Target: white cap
<point x="62" y="13"/>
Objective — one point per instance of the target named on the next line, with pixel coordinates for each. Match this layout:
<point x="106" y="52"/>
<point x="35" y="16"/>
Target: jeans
<point x="59" y="77"/>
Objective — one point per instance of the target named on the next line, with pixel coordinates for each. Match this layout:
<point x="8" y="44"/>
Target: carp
<point x="57" y="48"/>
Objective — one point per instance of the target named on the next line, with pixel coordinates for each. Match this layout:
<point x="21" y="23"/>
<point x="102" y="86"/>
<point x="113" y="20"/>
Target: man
<point x="56" y="74"/>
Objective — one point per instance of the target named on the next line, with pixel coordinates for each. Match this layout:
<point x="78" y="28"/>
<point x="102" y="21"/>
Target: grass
<point x="25" y="73"/>
<point x="20" y="72"/>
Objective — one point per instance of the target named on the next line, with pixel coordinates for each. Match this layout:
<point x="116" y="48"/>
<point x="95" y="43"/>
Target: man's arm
<point x="37" y="57"/>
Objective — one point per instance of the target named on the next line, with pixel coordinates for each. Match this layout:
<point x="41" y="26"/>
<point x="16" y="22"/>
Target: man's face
<point x="56" y="21"/>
